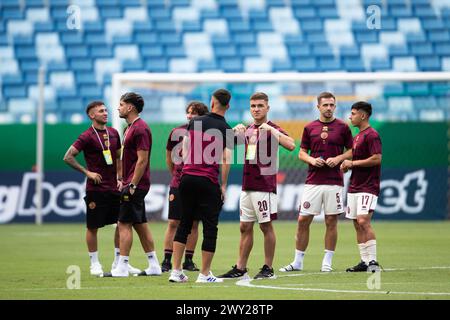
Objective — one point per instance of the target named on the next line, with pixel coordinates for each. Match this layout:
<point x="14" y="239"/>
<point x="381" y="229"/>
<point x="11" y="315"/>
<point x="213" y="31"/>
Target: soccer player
<point x="194" y="108"/>
<point x="326" y="139"/>
<point x="100" y="145"/>
<point x="207" y="147"/>
<point x="135" y="154"/>
<point x="258" y="202"/>
<point x="364" y="186"/>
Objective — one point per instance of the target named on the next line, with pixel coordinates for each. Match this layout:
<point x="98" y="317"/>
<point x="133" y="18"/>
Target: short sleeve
<point x="115" y="133"/>
<point x="348" y="138"/>
<point x="374" y="143"/>
<point x="81" y="143"/>
<point x="306" y="141"/>
<point x="143" y="139"/>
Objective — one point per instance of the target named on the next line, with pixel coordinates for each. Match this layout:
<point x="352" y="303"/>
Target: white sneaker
<point x="178" y="276"/>
<point x="291" y="267"/>
<point x="96" y="269"/>
<point x="120" y="273"/>
<point x="207" y="279"/>
<point x="131" y="270"/>
<point x="154" y="270"/>
<point x="326" y="268"/>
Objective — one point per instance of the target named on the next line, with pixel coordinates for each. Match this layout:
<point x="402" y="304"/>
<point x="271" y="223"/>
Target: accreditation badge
<point x="251" y="152"/>
<point x="108" y="157"/>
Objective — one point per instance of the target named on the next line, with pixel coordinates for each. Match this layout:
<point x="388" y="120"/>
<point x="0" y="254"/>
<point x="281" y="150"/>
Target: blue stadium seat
<point x="222" y="51"/>
<point x="143" y="37"/>
<point x="102" y="51"/>
<point x="12" y="79"/>
<point x="77" y="51"/>
<point x="381" y="65"/>
<point x="305" y="64"/>
<point x="77" y="64"/>
<point x="175" y="51"/>
<point x="156" y="65"/>
<point x="15" y="91"/>
<point x="329" y="64"/>
<point x="85" y="78"/>
<point x="132" y="65"/>
<point x="429" y="63"/>
<point x="238" y="25"/>
<point x="152" y="51"/>
<point x="231" y="64"/>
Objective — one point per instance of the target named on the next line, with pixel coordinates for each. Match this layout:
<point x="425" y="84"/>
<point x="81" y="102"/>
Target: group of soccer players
<point x="198" y="155"/>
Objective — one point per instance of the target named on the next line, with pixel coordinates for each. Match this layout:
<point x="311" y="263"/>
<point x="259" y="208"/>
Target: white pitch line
<point x="247" y="283"/>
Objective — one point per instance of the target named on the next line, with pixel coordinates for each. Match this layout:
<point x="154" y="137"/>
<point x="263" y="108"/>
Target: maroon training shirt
<point x="253" y="178"/>
<point x="176" y="140"/>
<point x="327" y="140"/>
<point x="137" y="137"/>
<point x="366" y="179"/>
<point x="89" y="144"/>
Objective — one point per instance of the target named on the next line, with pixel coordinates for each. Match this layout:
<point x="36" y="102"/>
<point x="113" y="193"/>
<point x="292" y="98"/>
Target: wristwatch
<point x="132" y="186"/>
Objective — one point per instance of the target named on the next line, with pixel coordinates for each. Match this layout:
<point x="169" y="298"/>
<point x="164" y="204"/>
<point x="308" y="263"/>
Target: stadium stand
<point x="216" y="35"/>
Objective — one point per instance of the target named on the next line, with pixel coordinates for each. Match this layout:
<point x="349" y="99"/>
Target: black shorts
<point x="102" y="208"/>
<point x="175" y="205"/>
<point x="132" y="210"/>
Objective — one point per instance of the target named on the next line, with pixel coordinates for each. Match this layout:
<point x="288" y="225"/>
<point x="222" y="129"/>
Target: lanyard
<point x="100" y="140"/>
<point x="125" y="137"/>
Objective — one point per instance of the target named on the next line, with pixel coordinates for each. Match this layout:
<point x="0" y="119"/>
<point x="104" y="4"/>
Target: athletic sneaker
<point x="373" y="267"/>
<point x="166" y="265"/>
<point x="360" y="267"/>
<point x="189" y="265"/>
<point x="115" y="273"/>
<point x="234" y="273"/>
<point x="154" y="270"/>
<point x="326" y="268"/>
<point x="178" y="276"/>
<point x="290" y="267"/>
<point x="265" y="273"/>
<point x="207" y="279"/>
<point x="131" y="270"/>
<point x="96" y="269"/>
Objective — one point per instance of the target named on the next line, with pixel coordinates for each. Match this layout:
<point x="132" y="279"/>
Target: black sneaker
<point x="166" y="265"/>
<point x="234" y="273"/>
<point x="373" y="267"/>
<point x="189" y="265"/>
<point x="265" y="273"/>
<point x="360" y="267"/>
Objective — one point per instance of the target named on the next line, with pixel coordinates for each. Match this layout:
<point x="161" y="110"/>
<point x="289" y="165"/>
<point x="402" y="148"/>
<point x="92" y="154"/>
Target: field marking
<point x="247" y="283"/>
<point x="108" y="288"/>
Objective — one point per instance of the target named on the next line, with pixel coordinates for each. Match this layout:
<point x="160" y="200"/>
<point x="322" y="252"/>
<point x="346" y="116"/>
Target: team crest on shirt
<point x="171" y="197"/>
<point x="306" y="205"/>
<point x="324" y="134"/>
<point x="92" y="205"/>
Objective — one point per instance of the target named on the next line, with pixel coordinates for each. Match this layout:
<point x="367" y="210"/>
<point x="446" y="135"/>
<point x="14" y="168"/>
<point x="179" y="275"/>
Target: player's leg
<point x="310" y="205"/>
<point x="191" y="243"/>
<point x="91" y="241"/>
<point x="370" y="241"/>
<point x="209" y="209"/>
<point x="172" y="226"/>
<point x="95" y="219"/>
<point x="188" y="196"/>
<point x="148" y="244"/>
<point x="266" y="272"/>
<point x="247" y="218"/>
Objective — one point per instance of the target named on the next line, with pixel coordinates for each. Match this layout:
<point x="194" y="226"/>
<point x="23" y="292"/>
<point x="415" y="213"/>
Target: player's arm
<point x="69" y="158"/>
<point x="284" y="140"/>
<point x="119" y="170"/>
<point x="305" y="157"/>
<point x="225" y="170"/>
<point x="169" y="162"/>
<point x="141" y="165"/>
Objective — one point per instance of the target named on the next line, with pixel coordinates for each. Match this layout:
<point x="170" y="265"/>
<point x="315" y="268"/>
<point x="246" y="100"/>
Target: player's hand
<point x="318" y="162"/>
<point x="119" y="185"/>
<point x="126" y="193"/>
<point x="223" y="189"/>
<point x="346" y="165"/>
<point x="97" y="178"/>
<point x="239" y="129"/>
<point x="332" y="162"/>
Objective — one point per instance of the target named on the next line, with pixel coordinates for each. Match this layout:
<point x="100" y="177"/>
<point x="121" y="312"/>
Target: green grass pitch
<point x="415" y="256"/>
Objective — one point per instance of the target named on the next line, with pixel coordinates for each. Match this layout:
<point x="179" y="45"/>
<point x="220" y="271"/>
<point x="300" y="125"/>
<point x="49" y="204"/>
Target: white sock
<point x="152" y="258"/>
<point x="93" y="256"/>
<point x="123" y="262"/>
<point x="116" y="255"/>
<point x="298" y="261"/>
<point x="371" y="249"/>
<point x="328" y="258"/>
<point x="363" y="252"/>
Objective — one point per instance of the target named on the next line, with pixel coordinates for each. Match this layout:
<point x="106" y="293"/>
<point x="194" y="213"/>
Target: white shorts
<point x="314" y="196"/>
<point x="360" y="203"/>
<point x="258" y="206"/>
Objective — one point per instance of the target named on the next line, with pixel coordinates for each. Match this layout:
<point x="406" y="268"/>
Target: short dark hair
<point x="197" y="107"/>
<point x="364" y="106"/>
<point x="260" y="96"/>
<point x="325" y="95"/>
<point x="135" y="99"/>
<point x="93" y="104"/>
<point x="223" y="96"/>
